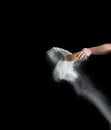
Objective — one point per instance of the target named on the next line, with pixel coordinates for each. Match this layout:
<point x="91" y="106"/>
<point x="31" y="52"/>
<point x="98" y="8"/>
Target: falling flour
<point x="68" y="70"/>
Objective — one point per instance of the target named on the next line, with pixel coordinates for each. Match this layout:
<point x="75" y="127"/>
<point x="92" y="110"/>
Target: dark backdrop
<point x="61" y="106"/>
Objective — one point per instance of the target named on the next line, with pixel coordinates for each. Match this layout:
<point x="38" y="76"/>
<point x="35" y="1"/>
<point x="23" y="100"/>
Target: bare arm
<point x="97" y="50"/>
<point x="102" y="49"/>
<point x="86" y="52"/>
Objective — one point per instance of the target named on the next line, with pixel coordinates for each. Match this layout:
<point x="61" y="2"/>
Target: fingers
<point x="84" y="54"/>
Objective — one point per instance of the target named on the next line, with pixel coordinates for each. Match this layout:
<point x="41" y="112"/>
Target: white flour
<point x="66" y="70"/>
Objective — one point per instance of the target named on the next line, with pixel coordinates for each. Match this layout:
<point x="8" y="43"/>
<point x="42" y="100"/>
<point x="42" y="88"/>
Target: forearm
<point x="102" y="49"/>
<point x="86" y="52"/>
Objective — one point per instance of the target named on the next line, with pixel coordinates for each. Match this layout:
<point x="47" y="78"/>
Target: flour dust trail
<point x="70" y="72"/>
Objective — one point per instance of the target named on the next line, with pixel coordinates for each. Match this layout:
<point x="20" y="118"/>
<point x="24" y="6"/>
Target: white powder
<point x="66" y="70"/>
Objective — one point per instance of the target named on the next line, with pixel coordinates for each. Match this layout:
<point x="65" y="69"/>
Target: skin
<point x="87" y="52"/>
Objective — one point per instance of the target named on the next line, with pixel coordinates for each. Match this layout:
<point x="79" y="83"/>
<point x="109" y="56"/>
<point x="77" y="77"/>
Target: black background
<point x="32" y="97"/>
<point x="55" y="105"/>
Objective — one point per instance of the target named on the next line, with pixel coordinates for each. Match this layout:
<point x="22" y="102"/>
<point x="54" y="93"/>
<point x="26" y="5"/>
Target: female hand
<point x="84" y="53"/>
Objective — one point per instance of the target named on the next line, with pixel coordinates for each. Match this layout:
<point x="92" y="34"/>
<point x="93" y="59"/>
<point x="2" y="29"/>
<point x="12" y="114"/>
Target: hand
<point x="84" y="53"/>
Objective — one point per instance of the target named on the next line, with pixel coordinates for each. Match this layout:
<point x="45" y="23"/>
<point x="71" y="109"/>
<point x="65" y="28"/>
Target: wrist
<point x="90" y="51"/>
